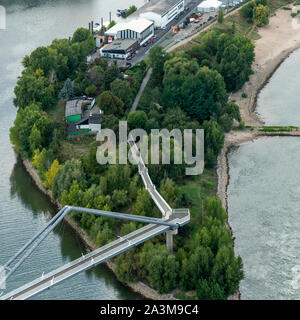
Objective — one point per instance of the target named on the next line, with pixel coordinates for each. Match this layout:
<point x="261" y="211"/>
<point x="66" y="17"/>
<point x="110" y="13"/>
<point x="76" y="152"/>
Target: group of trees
<point x="190" y="89"/>
<point x="186" y="90"/>
<point x="256" y="12"/>
<point x="206" y="262"/>
<point x="46" y="69"/>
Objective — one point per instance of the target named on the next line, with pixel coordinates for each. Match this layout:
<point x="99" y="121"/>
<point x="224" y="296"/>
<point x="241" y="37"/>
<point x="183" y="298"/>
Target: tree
<point x="247" y="11"/>
<point x="51" y="173"/>
<point x="80" y="35"/>
<point x="71" y="170"/>
<point x="42" y="161"/>
<point x="169" y="192"/>
<point x="42" y="58"/>
<point x="214" y="140"/>
<point x="227" y="270"/>
<point x="144" y="204"/>
<point x="209" y="290"/>
<point x="122" y="90"/>
<point x="110" y="104"/>
<point x="157" y="59"/>
<point x="22" y="130"/>
<point x="233" y="110"/>
<point x="181" y="65"/>
<point x="200" y="96"/>
<point x="110" y="74"/>
<point x="137" y="120"/>
<point x="33" y="88"/>
<point x="119" y="199"/>
<point x="220" y="16"/>
<point x="67" y="91"/>
<point x="35" y="139"/>
<point x="91" y="90"/>
<point x="236" y="56"/>
<point x="226" y="122"/>
<point x="163" y="270"/>
<point x="261" y="15"/>
<point x="214" y="209"/>
<point x="96" y="75"/>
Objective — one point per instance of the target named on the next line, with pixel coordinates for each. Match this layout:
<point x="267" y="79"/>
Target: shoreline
<point x="264" y="68"/>
<point x="138" y="287"/>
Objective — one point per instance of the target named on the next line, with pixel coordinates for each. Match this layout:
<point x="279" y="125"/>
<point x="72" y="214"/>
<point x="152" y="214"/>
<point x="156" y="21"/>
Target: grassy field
<point x="278" y="129"/>
<point x="75" y="147"/>
<point x="195" y="189"/>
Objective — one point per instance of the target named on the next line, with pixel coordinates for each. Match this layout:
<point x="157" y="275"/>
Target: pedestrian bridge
<point x="179" y="218"/>
<point x="171" y="220"/>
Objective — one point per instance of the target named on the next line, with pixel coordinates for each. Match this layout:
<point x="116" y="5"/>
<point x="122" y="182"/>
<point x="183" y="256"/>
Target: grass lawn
<point x="195" y="189"/>
<point x="75" y="147"/>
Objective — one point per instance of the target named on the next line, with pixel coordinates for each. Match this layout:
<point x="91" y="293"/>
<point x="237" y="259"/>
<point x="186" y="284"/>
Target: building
<point x="209" y="6"/>
<point x="139" y="29"/>
<point x="161" y="12"/>
<point x="119" y="49"/>
<point x="82" y="116"/>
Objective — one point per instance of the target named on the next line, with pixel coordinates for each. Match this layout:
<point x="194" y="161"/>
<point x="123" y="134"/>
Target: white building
<point x="119" y="48"/>
<point x="161" y="12"/>
<point x="140" y="29"/>
<point x="209" y="6"/>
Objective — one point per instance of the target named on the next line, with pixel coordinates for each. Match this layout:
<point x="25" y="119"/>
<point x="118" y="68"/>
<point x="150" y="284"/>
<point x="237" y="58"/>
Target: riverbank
<point x="277" y="41"/>
<point x="138" y="287"/>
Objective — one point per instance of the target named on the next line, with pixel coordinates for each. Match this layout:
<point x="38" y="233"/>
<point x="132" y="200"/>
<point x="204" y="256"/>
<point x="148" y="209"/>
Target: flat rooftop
<point x="137" y="25"/>
<point x="157" y="6"/>
<point x="120" y="44"/>
<point x="73" y="107"/>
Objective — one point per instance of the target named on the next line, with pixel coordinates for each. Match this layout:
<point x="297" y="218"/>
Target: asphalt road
<point x="142" y="52"/>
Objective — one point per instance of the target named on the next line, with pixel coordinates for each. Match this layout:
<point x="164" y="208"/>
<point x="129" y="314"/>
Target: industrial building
<point x="140" y="29"/>
<point x="161" y="12"/>
<point x="119" y="49"/>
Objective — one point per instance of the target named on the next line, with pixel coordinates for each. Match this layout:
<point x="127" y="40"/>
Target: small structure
<point x="161" y="12"/>
<point x="139" y="29"/>
<point x="119" y="49"/>
<point x="209" y="6"/>
<point x="82" y="116"/>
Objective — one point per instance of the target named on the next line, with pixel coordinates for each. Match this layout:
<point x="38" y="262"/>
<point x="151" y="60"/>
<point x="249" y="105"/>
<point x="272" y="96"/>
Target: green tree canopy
<point x="110" y="104"/>
<point x="137" y="120"/>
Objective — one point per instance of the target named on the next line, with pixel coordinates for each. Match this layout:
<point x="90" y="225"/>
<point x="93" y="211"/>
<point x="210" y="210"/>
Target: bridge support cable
<point x="94" y="258"/>
<point x="60" y="216"/>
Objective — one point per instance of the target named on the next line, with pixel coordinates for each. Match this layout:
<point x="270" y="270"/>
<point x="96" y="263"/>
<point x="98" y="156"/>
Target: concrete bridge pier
<point x="169" y="239"/>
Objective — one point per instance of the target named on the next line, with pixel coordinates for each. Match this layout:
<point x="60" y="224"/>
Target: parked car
<point x="129" y="57"/>
<point x="128" y="64"/>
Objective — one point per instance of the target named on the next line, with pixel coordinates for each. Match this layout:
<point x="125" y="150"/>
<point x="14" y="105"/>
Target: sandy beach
<point x="277" y="41"/>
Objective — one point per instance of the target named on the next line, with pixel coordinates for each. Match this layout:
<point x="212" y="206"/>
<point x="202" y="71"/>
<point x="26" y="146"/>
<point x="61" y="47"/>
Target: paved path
<point x="141" y="90"/>
<point x="95" y="257"/>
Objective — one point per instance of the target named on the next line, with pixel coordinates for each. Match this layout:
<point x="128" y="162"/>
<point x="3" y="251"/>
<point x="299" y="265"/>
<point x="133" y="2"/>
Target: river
<point x="264" y="194"/>
<point x="23" y="208"/>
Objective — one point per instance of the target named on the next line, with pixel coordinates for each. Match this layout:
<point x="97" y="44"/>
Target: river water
<point x="23" y="208"/>
<point x="264" y="194"/>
